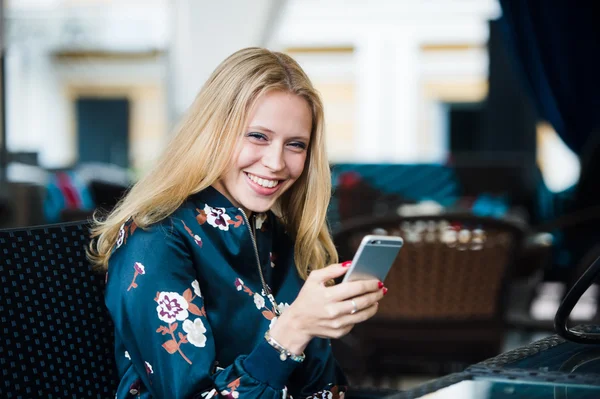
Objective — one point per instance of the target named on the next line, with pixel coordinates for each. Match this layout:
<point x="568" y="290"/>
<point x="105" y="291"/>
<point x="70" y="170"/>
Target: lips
<point x="261" y="186"/>
<point x="265" y="183"/>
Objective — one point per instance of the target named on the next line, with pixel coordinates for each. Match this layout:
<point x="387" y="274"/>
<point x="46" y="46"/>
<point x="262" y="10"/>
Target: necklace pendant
<point x="283" y="357"/>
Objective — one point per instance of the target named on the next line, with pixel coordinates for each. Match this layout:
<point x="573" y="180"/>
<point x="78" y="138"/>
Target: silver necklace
<point x="266" y="288"/>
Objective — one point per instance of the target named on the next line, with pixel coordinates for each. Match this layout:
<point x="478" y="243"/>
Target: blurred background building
<point x="402" y="81"/>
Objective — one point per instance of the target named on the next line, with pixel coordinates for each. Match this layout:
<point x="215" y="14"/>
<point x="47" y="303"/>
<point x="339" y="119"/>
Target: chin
<point x="258" y="208"/>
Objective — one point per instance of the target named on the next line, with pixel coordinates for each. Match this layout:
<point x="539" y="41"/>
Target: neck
<point x="219" y="187"/>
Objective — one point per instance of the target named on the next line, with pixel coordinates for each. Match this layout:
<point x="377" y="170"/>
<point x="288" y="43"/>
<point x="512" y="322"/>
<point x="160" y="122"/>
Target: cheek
<point x="296" y="165"/>
<point x="247" y="156"/>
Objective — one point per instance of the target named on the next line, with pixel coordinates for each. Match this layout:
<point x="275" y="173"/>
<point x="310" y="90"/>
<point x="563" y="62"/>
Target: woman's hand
<point x="327" y="312"/>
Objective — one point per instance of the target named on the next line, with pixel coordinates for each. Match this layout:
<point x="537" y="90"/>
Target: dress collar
<point x="212" y="197"/>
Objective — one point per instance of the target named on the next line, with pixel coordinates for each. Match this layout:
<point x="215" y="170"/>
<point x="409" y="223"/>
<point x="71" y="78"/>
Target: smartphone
<point x="374" y="258"/>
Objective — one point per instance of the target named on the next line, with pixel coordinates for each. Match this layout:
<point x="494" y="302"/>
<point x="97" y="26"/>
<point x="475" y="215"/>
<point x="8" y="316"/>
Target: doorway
<point x="103" y="130"/>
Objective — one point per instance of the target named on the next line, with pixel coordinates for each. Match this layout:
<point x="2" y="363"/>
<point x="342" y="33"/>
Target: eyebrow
<point x="259" y="127"/>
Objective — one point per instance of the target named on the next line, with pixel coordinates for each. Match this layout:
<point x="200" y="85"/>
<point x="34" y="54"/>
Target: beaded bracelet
<point x="283" y="352"/>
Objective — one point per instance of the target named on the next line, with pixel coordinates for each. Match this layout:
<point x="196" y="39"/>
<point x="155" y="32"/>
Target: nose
<point x="273" y="158"/>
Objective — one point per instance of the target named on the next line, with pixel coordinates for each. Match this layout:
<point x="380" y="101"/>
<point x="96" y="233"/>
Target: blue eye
<point x="256" y="135"/>
<point x="298" y="145"/>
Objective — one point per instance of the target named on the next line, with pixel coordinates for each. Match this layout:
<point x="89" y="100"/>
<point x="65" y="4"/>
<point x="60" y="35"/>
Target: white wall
<point x="389" y="67"/>
<point x="204" y="33"/>
<point x="39" y="117"/>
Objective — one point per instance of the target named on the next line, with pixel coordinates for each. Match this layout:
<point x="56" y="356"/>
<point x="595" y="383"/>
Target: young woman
<point x="217" y="276"/>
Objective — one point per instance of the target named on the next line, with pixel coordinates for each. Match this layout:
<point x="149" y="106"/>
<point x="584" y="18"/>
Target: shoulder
<point x="130" y="232"/>
<point x="156" y="242"/>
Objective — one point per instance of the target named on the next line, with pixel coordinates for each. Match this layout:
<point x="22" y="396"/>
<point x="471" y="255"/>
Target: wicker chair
<point x="57" y="335"/>
<point x="445" y="304"/>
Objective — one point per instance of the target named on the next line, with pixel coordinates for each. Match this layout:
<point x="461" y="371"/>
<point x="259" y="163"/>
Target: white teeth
<point x="263" y="182"/>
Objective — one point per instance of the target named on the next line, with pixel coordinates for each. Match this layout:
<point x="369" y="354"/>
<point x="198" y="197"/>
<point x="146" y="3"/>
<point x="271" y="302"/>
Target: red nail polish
<point x="380" y="285"/>
<point x="385" y="290"/>
<point x="346" y="263"/>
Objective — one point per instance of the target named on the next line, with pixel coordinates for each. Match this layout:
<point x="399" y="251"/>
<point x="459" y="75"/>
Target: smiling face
<point x="272" y="154"/>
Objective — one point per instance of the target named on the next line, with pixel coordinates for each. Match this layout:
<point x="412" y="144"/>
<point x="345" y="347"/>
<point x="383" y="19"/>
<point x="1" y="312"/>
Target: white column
<point x="204" y="33"/>
<point x="369" y="52"/>
<point x="387" y="95"/>
<point x="36" y="108"/>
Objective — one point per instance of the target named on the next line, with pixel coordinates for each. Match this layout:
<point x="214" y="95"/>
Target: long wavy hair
<point x="204" y="144"/>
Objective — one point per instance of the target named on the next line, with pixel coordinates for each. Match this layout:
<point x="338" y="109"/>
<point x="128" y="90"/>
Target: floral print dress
<point x="190" y="312"/>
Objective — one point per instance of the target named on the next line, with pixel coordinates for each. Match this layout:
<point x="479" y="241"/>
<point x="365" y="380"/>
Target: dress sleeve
<point x="156" y="305"/>
<point x="321" y="377"/>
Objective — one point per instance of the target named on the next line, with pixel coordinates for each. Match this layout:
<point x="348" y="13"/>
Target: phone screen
<point x="374" y="258"/>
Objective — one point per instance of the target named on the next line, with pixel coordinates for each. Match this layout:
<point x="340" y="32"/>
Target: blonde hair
<point x="205" y="141"/>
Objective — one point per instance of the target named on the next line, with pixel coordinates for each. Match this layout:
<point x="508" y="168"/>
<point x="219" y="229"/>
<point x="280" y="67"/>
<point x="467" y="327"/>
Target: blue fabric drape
<point x="556" y="44"/>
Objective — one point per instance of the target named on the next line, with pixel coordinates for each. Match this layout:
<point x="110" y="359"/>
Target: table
<point x="549" y="368"/>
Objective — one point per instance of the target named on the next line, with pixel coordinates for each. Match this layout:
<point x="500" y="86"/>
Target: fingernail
<point x="380" y="285"/>
<point x="346" y="263"/>
<point x="385" y="290"/>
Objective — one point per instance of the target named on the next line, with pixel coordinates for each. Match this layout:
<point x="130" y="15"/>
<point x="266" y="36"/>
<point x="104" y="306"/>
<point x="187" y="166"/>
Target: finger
<point x="330" y="272"/>
<point x="343" y="324"/>
<point x="352" y="289"/>
<point x="353" y="305"/>
<point x="361" y="302"/>
<point x="360" y="316"/>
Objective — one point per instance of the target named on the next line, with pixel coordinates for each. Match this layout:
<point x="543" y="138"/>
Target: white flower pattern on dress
<point x="228" y="394"/>
<point x="196" y="287"/>
<point x="171" y="307"/>
<point x="127" y="355"/>
<point x="149" y="368"/>
<point x="282" y="307"/>
<point x="139" y="268"/>
<point x="239" y="284"/>
<point x="259" y="220"/>
<point x="325" y="394"/>
<point x="121" y="237"/>
<point x="195" y="332"/>
<point x="217" y="217"/>
<point x="209" y="394"/>
<point x="259" y="301"/>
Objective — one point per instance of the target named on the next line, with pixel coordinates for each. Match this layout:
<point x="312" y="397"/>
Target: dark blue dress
<point x="190" y="311"/>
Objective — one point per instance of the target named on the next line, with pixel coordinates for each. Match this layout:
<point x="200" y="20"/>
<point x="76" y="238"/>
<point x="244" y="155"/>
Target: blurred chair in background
<point x="447" y="291"/>
<point x="23" y="191"/>
<point x="107" y="183"/>
<point x="99" y="186"/>
<point x="66" y="192"/>
<point x="24" y="204"/>
<point x="534" y="301"/>
<point x="35" y="196"/>
<point x="5" y="206"/>
<point x="366" y="190"/>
